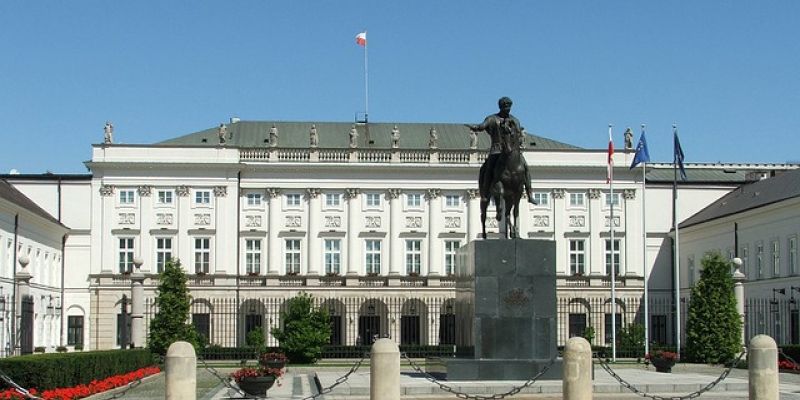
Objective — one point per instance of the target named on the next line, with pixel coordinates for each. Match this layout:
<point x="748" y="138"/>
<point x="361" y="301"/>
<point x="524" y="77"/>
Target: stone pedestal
<point x="505" y="311"/>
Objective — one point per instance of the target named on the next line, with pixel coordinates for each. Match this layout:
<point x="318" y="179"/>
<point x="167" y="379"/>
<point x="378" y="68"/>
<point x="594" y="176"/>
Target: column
<point x="633" y="237"/>
<point x="556" y="225"/>
<point x="273" y="226"/>
<point x="314" y="247"/>
<point x="395" y="244"/>
<point x="183" y="215"/>
<point x="434" y="225"/>
<point x="596" y="244"/>
<point x="107" y="242"/>
<point x="222" y="252"/>
<point x="353" y="214"/>
<point x="473" y="214"/>
<point x="145" y="221"/>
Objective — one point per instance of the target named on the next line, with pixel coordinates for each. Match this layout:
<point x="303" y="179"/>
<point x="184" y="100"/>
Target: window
<point x="293" y="200"/>
<point x="413" y="200"/>
<point x="450" y="249"/>
<point x="164" y="197"/>
<point x="292" y="252"/>
<point x="541" y="198"/>
<point x="577" y="256"/>
<point x="792" y="261"/>
<point x="576" y="200"/>
<point x="776" y="258"/>
<point x="202" y="255"/>
<point x="452" y="201"/>
<point x="202" y="197"/>
<point x="333" y="200"/>
<point x="744" y="257"/>
<point x="413" y="256"/>
<point x="163" y="253"/>
<point x="333" y="255"/>
<point x="612" y="200"/>
<point x="252" y="256"/>
<point x="75" y="330"/>
<point x="373" y="200"/>
<point x="690" y="267"/>
<point x="759" y="260"/>
<point x="126" y="197"/>
<point x="254" y="199"/>
<point x="609" y="256"/>
<point x="577" y="325"/>
<point x="373" y="256"/>
<point x="125" y="255"/>
<point x="202" y="324"/>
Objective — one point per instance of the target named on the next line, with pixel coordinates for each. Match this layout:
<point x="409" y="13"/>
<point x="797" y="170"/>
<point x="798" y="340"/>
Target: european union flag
<point x="642" y="154"/>
<point x="679" y="156"/>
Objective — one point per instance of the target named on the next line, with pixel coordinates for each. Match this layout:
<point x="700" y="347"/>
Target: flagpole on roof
<point x="644" y="245"/>
<point x="677" y="255"/>
<point x="366" y="81"/>
<point x="613" y="247"/>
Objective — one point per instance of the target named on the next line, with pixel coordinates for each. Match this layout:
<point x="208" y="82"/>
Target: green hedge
<point x="53" y="370"/>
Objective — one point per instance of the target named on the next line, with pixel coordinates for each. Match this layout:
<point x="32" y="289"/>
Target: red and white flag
<point x="610" y="175"/>
<point x="361" y="39"/>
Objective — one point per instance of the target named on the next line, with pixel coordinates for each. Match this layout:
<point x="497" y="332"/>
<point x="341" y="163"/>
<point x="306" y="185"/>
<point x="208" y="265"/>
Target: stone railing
<point x="408" y="156"/>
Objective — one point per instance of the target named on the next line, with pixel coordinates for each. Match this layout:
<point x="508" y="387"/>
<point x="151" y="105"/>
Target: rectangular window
<point x="202" y="255"/>
<point x="452" y="201"/>
<point x="293" y="200"/>
<point x="333" y="256"/>
<point x="612" y="200"/>
<point x="333" y="200"/>
<point x="413" y="256"/>
<point x="202" y="197"/>
<point x="576" y="200"/>
<point x="125" y="255"/>
<point x="792" y="256"/>
<point x="541" y="198"/>
<point x="292" y="252"/>
<point x="776" y="258"/>
<point x="163" y="253"/>
<point x="126" y="197"/>
<point x="759" y="260"/>
<point x="373" y="256"/>
<point x="608" y="253"/>
<point x="577" y="325"/>
<point x="164" y="197"/>
<point x="413" y="200"/>
<point x="373" y="200"/>
<point x="450" y="250"/>
<point x="202" y="324"/>
<point x="252" y="256"/>
<point x="75" y="330"/>
<point x="254" y="199"/>
<point x="577" y="257"/>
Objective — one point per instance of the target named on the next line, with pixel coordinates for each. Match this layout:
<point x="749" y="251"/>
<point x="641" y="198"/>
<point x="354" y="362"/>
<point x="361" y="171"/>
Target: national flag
<point x="679" y="155"/>
<point x="642" y="154"/>
<point x="610" y="174"/>
<point x="361" y="39"/>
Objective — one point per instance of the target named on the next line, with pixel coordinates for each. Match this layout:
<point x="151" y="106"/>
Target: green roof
<point x="699" y="175"/>
<point x="337" y="135"/>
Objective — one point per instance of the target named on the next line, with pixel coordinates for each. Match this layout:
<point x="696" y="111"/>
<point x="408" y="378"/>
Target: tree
<point x="170" y="324"/>
<point x="713" y="327"/>
<point x="305" y="330"/>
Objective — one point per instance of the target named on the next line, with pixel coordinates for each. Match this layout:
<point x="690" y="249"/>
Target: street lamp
<point x="137" y="263"/>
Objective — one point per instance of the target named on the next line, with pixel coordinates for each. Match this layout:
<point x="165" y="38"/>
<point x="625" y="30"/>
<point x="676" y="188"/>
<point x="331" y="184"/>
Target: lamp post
<point x="137" y="304"/>
<point x="738" y="293"/>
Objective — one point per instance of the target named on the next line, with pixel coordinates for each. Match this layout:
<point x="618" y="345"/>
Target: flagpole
<point x="613" y="258"/>
<point x="366" y="82"/>
<point x="677" y="255"/>
<point x="644" y="259"/>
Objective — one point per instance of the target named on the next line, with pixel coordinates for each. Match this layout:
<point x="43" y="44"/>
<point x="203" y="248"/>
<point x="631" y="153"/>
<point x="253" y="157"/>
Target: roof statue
<point x="473" y="139"/>
<point x="108" y="133"/>
<point x="433" y="142"/>
<point x="222" y="131"/>
<point x="273" y="136"/>
<point x="313" y="137"/>
<point x="395" y="137"/>
<point x="353" y="137"/>
<point x="628" y="139"/>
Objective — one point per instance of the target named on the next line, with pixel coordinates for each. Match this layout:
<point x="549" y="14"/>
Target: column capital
<point x="145" y="191"/>
<point x="351" y="193"/>
<point x="182" y="191"/>
<point x="629" y="194"/>
<point x="393" y="193"/>
<point x="558" y="193"/>
<point x="432" y="194"/>
<point x="473" y="193"/>
<point x="594" y="194"/>
<point x="107" y="190"/>
<point x="273" y="192"/>
<point x="220" y="191"/>
<point x="312" y="193"/>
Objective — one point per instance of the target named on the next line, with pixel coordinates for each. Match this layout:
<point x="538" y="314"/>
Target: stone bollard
<point x="577" y="380"/>
<point x="384" y="371"/>
<point x="181" y="372"/>
<point x="762" y="366"/>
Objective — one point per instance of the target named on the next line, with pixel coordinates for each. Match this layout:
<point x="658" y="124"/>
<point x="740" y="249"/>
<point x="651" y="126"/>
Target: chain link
<point x="692" y="395"/>
<point x="462" y="395"/>
<point x="21" y="390"/>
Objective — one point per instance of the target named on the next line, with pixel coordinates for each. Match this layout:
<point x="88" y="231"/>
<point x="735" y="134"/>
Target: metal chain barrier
<point x="462" y="395"/>
<point x="692" y="395"/>
<point x="342" y="379"/>
<point x="21" y="390"/>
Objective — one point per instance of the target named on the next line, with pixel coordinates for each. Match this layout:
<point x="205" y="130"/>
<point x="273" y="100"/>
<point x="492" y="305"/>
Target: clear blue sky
<point x="725" y="71"/>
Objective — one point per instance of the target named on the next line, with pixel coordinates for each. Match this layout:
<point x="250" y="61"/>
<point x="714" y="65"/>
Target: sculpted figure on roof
<point x="395" y="137"/>
<point x="222" y="131"/>
<point x="314" y="137"/>
<point x="108" y="133"/>
<point x="273" y="136"/>
<point x="433" y="142"/>
<point x="353" y="137"/>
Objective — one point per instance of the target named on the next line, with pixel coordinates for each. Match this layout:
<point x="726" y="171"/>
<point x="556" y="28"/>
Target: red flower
<point x="81" y="391"/>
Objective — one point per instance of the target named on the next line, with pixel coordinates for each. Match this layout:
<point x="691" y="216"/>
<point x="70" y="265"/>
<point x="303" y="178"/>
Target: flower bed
<point x="81" y="391"/>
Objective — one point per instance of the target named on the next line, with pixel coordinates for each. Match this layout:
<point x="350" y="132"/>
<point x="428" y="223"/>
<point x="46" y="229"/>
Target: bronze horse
<point x="506" y="188"/>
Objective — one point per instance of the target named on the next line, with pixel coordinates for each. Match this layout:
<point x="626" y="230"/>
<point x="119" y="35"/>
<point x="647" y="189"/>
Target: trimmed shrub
<point x="54" y="370"/>
<point x="305" y="330"/>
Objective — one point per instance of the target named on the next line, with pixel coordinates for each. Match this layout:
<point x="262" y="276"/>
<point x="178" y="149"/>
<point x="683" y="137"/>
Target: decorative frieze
<point x="220" y="191"/>
<point x="253" y="221"/>
<point x="182" y="191"/>
<point x="577" y="221"/>
<point x="541" y="221"/>
<point x="452" y="222"/>
<point x="127" y="218"/>
<point x="202" y="219"/>
<point x="145" y="191"/>
<point x="293" y="221"/>
<point x="107" y="190"/>
<point x="616" y="221"/>
<point x="164" y="219"/>
<point x="413" y="222"/>
<point x="558" y="193"/>
<point x="372" y="222"/>
<point x="333" y="221"/>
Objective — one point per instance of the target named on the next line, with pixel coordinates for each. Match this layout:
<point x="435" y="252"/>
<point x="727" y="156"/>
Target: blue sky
<point x="724" y="71"/>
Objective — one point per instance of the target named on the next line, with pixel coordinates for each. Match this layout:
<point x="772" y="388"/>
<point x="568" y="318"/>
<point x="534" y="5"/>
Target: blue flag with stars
<point x="679" y="156"/>
<point x="642" y="154"/>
